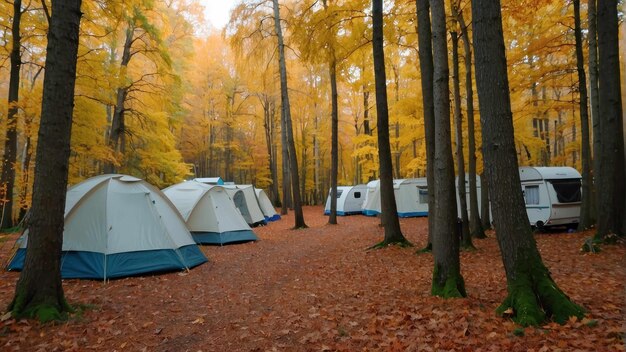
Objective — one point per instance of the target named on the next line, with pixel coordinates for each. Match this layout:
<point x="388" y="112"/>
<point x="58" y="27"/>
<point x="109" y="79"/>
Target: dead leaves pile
<point x="319" y="289"/>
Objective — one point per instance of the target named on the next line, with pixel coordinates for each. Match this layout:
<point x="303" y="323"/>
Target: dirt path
<point x="319" y="289"/>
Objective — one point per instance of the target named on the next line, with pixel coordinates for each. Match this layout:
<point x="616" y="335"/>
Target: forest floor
<point x="320" y="289"/>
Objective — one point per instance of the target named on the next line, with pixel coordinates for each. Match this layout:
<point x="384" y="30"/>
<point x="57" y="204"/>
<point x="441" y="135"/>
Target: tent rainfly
<point x="210" y="180"/>
<point x="349" y="200"/>
<point x="210" y="213"/>
<point x="266" y="206"/>
<point x="117" y="226"/>
<point x="245" y="200"/>
<point x="411" y="197"/>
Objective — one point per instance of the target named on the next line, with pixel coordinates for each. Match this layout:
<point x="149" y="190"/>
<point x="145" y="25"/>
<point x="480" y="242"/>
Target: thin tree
<point x="594" y="107"/>
<point x="447" y="278"/>
<point x="39" y="292"/>
<point x="532" y="294"/>
<point x="466" y="239"/>
<point x="7" y="179"/>
<point x="586" y="206"/>
<point x="424" y="37"/>
<point x="284" y="98"/>
<point x="389" y="216"/>
<point x="611" y="154"/>
<point x="476" y="227"/>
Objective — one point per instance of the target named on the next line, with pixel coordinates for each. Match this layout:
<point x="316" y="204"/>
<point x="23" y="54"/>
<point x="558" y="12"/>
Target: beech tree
<point x="389" y="210"/>
<point x="533" y="295"/>
<point x="39" y="292"/>
<point x="447" y="278"/>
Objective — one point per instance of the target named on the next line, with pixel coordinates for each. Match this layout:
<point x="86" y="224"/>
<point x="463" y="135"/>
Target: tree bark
<point x="286" y="203"/>
<point x="611" y="172"/>
<point x="426" y="69"/>
<point x="334" y="117"/>
<point x="466" y="239"/>
<point x="39" y="292"/>
<point x="284" y="94"/>
<point x="7" y="179"/>
<point x="586" y="220"/>
<point x="476" y="228"/>
<point x="533" y="294"/>
<point x="389" y="216"/>
<point x="485" y="213"/>
<point x="447" y="278"/>
<point x="593" y="98"/>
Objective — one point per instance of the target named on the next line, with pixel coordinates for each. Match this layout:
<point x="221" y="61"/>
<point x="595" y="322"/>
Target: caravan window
<point x="567" y="191"/>
<point x="357" y="195"/>
<point x="531" y="195"/>
<point x="423" y="194"/>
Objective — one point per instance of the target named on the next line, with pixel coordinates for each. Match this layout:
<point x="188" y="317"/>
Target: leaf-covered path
<point x="320" y="289"/>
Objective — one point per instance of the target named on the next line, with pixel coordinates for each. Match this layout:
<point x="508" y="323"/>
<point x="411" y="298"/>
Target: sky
<point x="217" y="12"/>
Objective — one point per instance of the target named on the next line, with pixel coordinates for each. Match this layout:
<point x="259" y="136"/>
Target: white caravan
<point x="349" y="200"/>
<point x="552" y="195"/>
<point x="411" y="197"/>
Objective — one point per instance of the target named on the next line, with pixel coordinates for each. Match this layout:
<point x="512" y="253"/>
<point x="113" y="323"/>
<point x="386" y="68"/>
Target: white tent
<point x="245" y="200"/>
<point x="411" y="197"/>
<point x="210" y="180"/>
<point x="116" y="226"/>
<point x="266" y="206"/>
<point x="210" y="213"/>
<point x="552" y="195"/>
<point x="349" y="200"/>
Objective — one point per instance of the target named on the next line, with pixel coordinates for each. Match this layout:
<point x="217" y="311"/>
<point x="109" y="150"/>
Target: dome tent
<point x="117" y="226"/>
<point x="209" y="213"/>
<point x="266" y="205"/>
<point x="245" y="200"/>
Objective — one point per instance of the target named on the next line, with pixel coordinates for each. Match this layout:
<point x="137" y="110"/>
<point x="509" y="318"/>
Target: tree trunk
<point x="533" y="294"/>
<point x="476" y="228"/>
<point x="611" y="173"/>
<point x="426" y="69"/>
<point x="389" y="212"/>
<point x="485" y="202"/>
<point x="7" y="179"/>
<point x="447" y="278"/>
<point x="466" y="239"/>
<point x="39" y="292"/>
<point x="334" y="117"/>
<point x="286" y="203"/>
<point x="117" y="136"/>
<point x="586" y="220"/>
<point x="293" y="159"/>
<point x="593" y="99"/>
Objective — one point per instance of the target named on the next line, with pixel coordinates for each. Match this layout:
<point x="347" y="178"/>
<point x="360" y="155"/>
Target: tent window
<point x="567" y="191"/>
<point x="531" y="194"/>
<point x="339" y="191"/>
<point x="423" y="195"/>
<point x="357" y="195"/>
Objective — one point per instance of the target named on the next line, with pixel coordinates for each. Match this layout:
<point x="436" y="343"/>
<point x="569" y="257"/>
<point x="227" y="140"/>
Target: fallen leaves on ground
<point x="319" y="289"/>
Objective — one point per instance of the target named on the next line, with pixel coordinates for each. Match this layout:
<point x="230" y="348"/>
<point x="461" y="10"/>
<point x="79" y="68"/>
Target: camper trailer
<point x="552" y="195"/>
<point x="349" y="200"/>
<point x="411" y="197"/>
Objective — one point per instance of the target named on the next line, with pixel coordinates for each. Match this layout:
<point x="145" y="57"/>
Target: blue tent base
<point x="401" y="215"/>
<point x="344" y="213"/>
<point x="224" y="237"/>
<point x="274" y="217"/>
<point x="368" y="212"/>
<point x="91" y="265"/>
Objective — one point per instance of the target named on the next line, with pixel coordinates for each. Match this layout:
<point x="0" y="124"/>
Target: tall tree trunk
<point x="485" y="202"/>
<point x="426" y="69"/>
<point x="389" y="216"/>
<point x="284" y="94"/>
<point x="7" y="179"/>
<point x="398" y="152"/>
<point x="447" y="278"/>
<point x="466" y="239"/>
<point x="286" y="202"/>
<point x="611" y="173"/>
<point x="586" y="220"/>
<point x="117" y="136"/>
<point x="476" y="228"/>
<point x="319" y="193"/>
<point x="334" y="118"/>
<point x="39" y="292"/>
<point x="532" y="292"/>
<point x="593" y="98"/>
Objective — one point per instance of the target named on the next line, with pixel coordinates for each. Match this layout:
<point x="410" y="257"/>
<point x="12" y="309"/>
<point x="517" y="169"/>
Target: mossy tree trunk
<point x="466" y="239"/>
<point x="447" y="279"/>
<point x="389" y="212"/>
<point x="611" y="154"/>
<point x="424" y="37"/>
<point x="532" y="294"/>
<point x="39" y="292"/>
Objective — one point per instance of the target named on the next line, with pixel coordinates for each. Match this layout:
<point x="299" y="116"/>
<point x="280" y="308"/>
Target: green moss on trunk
<point x="427" y="249"/>
<point x="534" y="297"/>
<point x="452" y="287"/>
<point x="44" y="310"/>
<point x="384" y="243"/>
